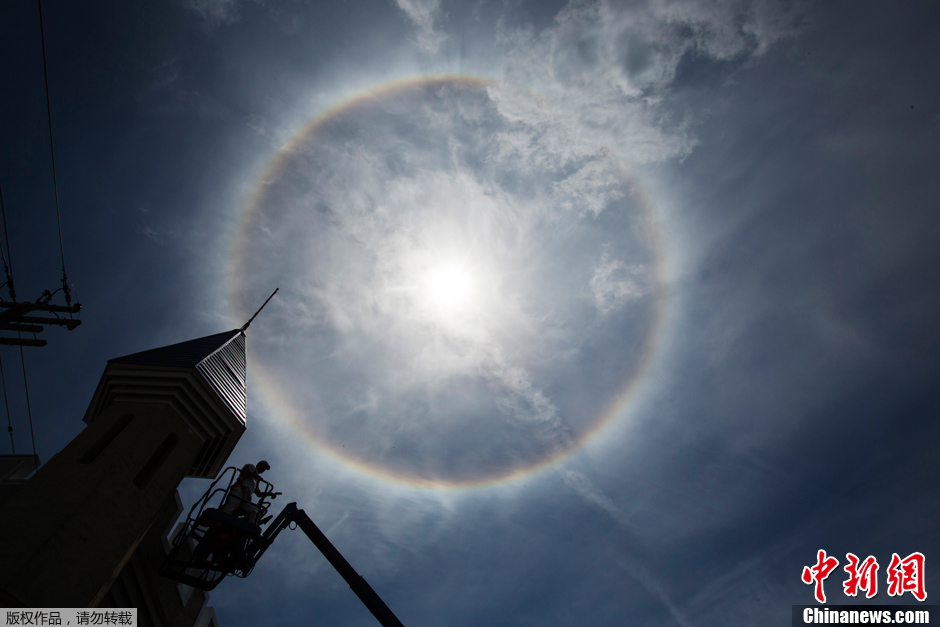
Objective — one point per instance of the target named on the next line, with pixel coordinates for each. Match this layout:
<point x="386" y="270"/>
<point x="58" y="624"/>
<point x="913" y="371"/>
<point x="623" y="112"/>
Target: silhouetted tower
<point x="155" y="418"/>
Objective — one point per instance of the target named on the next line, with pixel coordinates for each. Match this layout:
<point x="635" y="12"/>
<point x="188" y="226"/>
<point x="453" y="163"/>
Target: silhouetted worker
<point x="247" y="484"/>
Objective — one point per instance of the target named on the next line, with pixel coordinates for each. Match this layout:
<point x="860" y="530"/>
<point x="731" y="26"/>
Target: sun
<point x="449" y="286"/>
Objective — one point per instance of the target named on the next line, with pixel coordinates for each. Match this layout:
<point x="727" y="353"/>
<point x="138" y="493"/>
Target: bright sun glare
<point x="449" y="287"/>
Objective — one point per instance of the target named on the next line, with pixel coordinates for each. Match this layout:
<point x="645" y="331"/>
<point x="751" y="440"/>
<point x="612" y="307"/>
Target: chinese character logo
<point x="903" y="575"/>
<point x="817" y="574"/>
<point x="861" y="577"/>
<point x="907" y="575"/>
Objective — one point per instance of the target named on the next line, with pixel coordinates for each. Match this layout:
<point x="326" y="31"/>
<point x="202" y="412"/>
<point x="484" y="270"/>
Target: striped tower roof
<point x="204" y="380"/>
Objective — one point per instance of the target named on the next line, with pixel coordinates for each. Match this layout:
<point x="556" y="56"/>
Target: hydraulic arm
<point x="213" y="544"/>
<point x="359" y="585"/>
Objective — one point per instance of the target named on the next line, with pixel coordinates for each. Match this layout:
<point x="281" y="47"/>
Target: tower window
<point x="156" y="460"/>
<point x="102" y="443"/>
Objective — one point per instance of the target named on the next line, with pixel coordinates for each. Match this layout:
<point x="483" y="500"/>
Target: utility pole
<point x="21" y="317"/>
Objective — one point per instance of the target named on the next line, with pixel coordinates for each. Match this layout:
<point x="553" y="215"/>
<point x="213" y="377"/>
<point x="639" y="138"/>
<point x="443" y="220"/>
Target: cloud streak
<point x="581" y="485"/>
<point x="424" y="14"/>
<point x="615" y="283"/>
<point x="216" y="12"/>
<point x="604" y="69"/>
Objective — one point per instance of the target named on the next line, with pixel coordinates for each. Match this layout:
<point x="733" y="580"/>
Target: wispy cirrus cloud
<point x="616" y="283"/>
<point x="215" y="12"/>
<point x="603" y="70"/>
<point x="425" y="14"/>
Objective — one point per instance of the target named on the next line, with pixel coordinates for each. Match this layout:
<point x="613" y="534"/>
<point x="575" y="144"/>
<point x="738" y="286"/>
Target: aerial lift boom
<point x="213" y="544"/>
<point x="359" y="585"/>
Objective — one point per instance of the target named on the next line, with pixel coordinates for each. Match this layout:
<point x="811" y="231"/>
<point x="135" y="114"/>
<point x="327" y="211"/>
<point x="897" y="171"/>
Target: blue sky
<point x="590" y="313"/>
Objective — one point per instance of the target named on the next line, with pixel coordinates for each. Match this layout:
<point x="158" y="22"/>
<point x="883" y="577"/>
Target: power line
<point x="29" y="411"/>
<point x="20" y="317"/>
<point x="7" y="404"/>
<point x="55" y="184"/>
<point x="7" y="269"/>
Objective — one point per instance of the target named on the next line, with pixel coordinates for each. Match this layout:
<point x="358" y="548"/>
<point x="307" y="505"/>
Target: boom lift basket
<point x="213" y="544"/>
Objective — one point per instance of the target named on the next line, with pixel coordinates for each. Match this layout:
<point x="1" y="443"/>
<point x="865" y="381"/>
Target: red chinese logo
<point x="907" y="575"/>
<point x="864" y="577"/>
<point x="903" y="575"/>
<point x="818" y="573"/>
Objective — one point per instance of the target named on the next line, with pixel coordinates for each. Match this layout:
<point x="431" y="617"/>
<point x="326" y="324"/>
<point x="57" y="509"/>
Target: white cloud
<point x="595" y="80"/>
<point x="591" y="188"/>
<point x="655" y="588"/>
<point x="581" y="485"/>
<point x="424" y="14"/>
<point x="215" y="11"/>
<point x="615" y="283"/>
<point x="585" y="488"/>
<point x="530" y="405"/>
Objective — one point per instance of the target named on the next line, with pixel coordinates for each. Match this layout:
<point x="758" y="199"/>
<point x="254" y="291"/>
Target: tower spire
<point x="250" y="320"/>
